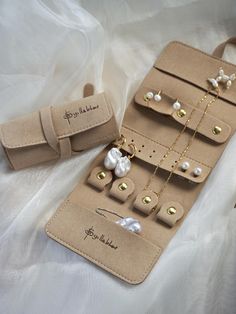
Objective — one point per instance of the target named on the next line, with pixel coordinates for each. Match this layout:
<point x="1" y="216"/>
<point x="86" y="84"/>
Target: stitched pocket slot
<point x="123" y="253"/>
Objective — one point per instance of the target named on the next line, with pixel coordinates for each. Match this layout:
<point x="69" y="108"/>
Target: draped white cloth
<point x="49" y="50"/>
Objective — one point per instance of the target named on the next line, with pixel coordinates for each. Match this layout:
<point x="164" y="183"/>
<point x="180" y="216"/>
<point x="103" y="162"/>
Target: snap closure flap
<point x="122" y="188"/>
<point x="170" y="213"/>
<point x="99" y="178"/>
<point x="146" y="201"/>
<point x="211" y="127"/>
<point x="68" y="120"/>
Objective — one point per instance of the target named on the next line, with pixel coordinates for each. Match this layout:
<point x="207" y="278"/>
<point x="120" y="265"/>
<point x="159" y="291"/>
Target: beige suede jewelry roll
<point x="122" y="215"/>
<point x="58" y="132"/>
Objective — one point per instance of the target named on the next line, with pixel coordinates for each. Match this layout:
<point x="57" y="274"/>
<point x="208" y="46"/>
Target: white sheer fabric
<point x="49" y="49"/>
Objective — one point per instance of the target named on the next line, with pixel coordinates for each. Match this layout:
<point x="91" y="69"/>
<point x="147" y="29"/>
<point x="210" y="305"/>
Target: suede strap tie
<point x="61" y="146"/>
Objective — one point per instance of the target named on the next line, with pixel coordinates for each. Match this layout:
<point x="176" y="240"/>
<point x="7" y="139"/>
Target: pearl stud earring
<point x="197" y="171"/>
<point x="176" y="105"/>
<point x="157" y="97"/>
<point x="148" y="96"/>
<point x="185" y="166"/>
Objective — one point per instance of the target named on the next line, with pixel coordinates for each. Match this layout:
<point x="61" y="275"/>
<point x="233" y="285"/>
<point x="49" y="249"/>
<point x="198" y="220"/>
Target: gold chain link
<point x="182" y="155"/>
<point x="170" y="149"/>
<point x="184" y="152"/>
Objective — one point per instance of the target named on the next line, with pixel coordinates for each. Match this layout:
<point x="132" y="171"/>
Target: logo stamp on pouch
<point x="90" y="233"/>
<point x="75" y="114"/>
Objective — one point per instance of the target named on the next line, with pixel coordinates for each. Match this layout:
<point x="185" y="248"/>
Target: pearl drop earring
<point x="114" y="154"/>
<point x="124" y="164"/>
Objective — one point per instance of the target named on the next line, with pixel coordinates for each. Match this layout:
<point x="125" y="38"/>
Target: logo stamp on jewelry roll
<point x="102" y="238"/>
<point x="75" y="114"/>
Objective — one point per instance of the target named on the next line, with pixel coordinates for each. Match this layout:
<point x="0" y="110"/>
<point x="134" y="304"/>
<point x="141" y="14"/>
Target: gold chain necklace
<point x="184" y="152"/>
<point x="170" y="149"/>
<point x="221" y="78"/>
<point x="147" y="199"/>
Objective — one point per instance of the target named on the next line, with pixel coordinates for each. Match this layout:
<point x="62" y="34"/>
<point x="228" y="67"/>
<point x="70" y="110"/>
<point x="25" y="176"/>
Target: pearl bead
<point x="213" y="82"/>
<point x="135" y="227"/>
<point x="112" y="158"/>
<point x="197" y="171"/>
<point x="157" y="97"/>
<point x="176" y="105"/>
<point x="130" y="224"/>
<point x="221" y="72"/>
<point x="228" y="84"/>
<point x="222" y="78"/>
<point x="185" y="166"/>
<point x="225" y="78"/>
<point x="123" y="167"/>
<point x="149" y="95"/>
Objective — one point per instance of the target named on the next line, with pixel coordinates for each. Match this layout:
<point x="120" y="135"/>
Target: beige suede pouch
<point x="181" y="72"/>
<point x="58" y="132"/>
